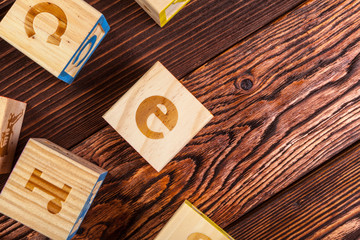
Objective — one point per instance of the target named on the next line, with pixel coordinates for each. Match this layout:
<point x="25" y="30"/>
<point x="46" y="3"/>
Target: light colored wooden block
<point x="50" y="189"/>
<point x="11" y="119"/>
<point x="158" y="116"/>
<point x="162" y="10"/>
<point x="59" y="35"/>
<point x="188" y="223"/>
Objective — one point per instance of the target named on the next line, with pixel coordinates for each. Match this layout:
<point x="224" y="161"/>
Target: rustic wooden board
<point x="324" y="205"/>
<point x="68" y="114"/>
<point x="303" y="108"/>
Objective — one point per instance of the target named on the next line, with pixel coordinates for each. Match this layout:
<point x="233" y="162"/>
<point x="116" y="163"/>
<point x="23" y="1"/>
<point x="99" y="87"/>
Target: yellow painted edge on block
<point x="162" y="15"/>
<point x="209" y="220"/>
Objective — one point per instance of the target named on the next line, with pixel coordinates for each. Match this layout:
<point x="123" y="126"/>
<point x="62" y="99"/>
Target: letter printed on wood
<point x="158" y="116"/>
<point x="11" y="118"/>
<point x="188" y="223"/>
<point x="50" y="189"/>
<point x="162" y="10"/>
<point x="59" y="35"/>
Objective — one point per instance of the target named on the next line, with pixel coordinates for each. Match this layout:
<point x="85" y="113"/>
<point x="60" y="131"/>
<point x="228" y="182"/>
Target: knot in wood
<point x="246" y="84"/>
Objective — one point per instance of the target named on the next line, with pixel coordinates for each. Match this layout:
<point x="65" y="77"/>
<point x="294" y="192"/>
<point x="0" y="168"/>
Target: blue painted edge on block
<point x="86" y="206"/>
<point x="105" y="26"/>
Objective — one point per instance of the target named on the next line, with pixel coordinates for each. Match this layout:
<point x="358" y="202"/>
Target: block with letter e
<point x="158" y="116"/>
<point x="59" y="35"/>
<point x="50" y="189"/>
<point x="162" y="10"/>
<point x="189" y="223"/>
<point x="11" y="118"/>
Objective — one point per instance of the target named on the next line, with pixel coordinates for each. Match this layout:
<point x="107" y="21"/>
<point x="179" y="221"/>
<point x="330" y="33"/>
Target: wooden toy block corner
<point x="162" y="10"/>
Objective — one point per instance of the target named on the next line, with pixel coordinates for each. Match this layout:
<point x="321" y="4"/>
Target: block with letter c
<point x="58" y="35"/>
<point x="158" y="116"/>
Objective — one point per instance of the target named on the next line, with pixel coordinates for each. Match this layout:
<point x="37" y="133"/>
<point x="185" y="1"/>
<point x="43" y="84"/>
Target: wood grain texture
<point x="324" y="205"/>
<point x="5" y="3"/>
<point x="67" y="115"/>
<point x="301" y="107"/>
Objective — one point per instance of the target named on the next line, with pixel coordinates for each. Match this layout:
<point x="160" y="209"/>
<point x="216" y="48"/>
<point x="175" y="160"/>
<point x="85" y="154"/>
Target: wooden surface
<point x="285" y="101"/>
<point x="324" y="205"/>
<point x="67" y="115"/>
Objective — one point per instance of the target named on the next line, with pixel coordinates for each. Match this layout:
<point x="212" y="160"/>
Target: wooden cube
<point x="11" y="119"/>
<point x="50" y="189"/>
<point x="59" y="35"/>
<point x="189" y="223"/>
<point x="162" y="10"/>
<point x="158" y="116"/>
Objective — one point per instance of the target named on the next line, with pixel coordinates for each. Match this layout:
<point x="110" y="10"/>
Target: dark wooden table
<point x="280" y="159"/>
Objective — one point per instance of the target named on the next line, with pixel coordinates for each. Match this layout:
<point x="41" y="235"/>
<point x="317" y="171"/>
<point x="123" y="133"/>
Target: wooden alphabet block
<point x="158" y="116"/>
<point x="162" y="10"/>
<point x="11" y="119"/>
<point x="50" y="189"/>
<point x="189" y="223"/>
<point x="59" y="35"/>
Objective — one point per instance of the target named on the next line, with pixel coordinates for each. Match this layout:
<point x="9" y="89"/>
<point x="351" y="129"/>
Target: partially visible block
<point x="50" y="189"/>
<point x="158" y="116"/>
<point x="59" y="35"/>
<point x="188" y="223"/>
<point x="162" y="10"/>
<point x="11" y="119"/>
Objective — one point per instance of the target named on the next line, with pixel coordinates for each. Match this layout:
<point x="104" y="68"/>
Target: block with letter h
<point x="50" y="189"/>
<point x="158" y="116"/>
<point x="162" y="10"/>
<point x="189" y="223"/>
<point x="11" y="118"/>
<point x="59" y="35"/>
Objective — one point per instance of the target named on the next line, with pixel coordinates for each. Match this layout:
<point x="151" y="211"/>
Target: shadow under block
<point x="158" y="116"/>
<point x="162" y="10"/>
<point x="50" y="189"/>
<point x="11" y="118"/>
<point x="58" y="35"/>
<point x="189" y="223"/>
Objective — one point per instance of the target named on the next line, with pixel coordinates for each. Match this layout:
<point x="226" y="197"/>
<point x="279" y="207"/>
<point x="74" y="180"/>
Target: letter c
<point x="148" y="107"/>
<point x="46" y="7"/>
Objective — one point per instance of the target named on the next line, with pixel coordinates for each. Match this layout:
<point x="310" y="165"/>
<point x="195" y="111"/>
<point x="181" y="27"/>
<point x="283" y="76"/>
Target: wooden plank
<point x="5" y="3"/>
<point x="324" y="205"/>
<point x="68" y="114"/>
<point x="300" y="107"/>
